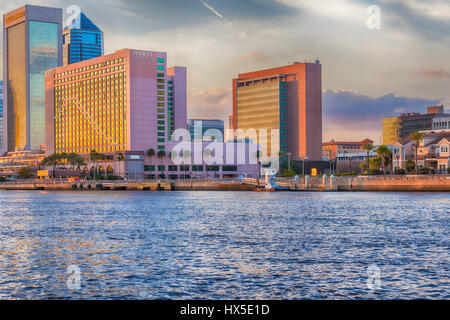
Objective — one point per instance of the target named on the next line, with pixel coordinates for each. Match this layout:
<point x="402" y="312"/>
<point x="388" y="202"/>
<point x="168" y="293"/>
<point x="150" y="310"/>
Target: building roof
<point x="82" y="22"/>
<point x="332" y="142"/>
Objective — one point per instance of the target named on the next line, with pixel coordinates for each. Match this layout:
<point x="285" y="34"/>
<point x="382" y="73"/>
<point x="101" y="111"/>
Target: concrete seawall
<point x="424" y="183"/>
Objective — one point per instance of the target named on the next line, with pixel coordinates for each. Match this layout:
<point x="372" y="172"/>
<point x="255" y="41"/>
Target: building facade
<point x="441" y="123"/>
<point x="32" y="44"/>
<point x="203" y="129"/>
<point x="126" y="103"/>
<point x="287" y="100"/>
<point x="82" y="40"/>
<point x="331" y="150"/>
<point x="399" y="128"/>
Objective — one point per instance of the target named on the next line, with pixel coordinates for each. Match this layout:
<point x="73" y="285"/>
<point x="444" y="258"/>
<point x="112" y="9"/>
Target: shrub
<point x="25" y="173"/>
<point x="375" y="172"/>
<point x="424" y="170"/>
<point x="400" y="171"/>
<point x="2" y="179"/>
<point x="113" y="177"/>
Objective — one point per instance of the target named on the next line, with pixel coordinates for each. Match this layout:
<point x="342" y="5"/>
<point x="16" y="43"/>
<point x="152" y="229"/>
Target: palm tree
<point x="120" y="158"/>
<point x="161" y="154"/>
<point x="368" y="147"/>
<point x="51" y="160"/>
<point x="382" y="152"/>
<point x="417" y="137"/>
<point x="150" y="153"/>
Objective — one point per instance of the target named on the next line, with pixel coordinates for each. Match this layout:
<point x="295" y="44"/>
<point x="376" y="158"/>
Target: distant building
<point x="287" y="99"/>
<point x="441" y="123"/>
<point x="330" y="150"/>
<point x="82" y="40"/>
<point x="206" y="127"/>
<point x="32" y="44"/>
<point x="399" y="128"/>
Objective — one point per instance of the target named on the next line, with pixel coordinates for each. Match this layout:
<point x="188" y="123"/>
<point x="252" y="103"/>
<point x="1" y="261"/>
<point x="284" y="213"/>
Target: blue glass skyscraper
<point x="32" y="43"/>
<point x="82" y="40"/>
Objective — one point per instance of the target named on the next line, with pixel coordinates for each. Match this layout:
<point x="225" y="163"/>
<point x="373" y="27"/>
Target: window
<point x="149" y="168"/>
<point x="212" y="168"/>
<point x="170" y="82"/>
<point x="173" y="168"/>
<point x="229" y="168"/>
<point x="197" y="168"/>
<point x="160" y="67"/>
<point x="161" y="140"/>
<point x="161" y="168"/>
<point x="160" y="60"/>
<point x="160" y="75"/>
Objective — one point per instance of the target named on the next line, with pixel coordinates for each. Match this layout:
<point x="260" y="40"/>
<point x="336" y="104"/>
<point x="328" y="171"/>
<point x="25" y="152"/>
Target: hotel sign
<point x="15" y="17"/>
<point x="142" y="54"/>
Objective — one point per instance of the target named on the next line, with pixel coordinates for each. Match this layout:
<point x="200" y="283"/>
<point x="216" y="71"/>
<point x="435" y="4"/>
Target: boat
<point x="264" y="189"/>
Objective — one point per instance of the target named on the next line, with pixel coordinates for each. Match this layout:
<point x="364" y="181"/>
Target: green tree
<point x="417" y="137"/>
<point x="382" y="153"/>
<point x="161" y="154"/>
<point x="368" y="147"/>
<point x="25" y="173"/>
<point x="120" y="158"/>
<point x="410" y="165"/>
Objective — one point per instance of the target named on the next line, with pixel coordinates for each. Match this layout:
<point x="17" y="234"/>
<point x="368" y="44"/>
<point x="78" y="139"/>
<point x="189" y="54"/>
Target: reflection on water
<point x="223" y="245"/>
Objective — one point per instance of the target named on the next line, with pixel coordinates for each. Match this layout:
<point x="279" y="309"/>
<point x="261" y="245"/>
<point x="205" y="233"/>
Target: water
<point x="223" y="245"/>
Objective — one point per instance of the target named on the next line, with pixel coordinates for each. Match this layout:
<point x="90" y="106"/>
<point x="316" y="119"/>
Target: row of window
<point x="185" y="168"/>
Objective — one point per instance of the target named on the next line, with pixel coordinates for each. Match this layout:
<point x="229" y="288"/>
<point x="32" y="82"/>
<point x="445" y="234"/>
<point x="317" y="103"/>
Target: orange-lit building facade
<point x="125" y="101"/>
<point x="288" y="99"/>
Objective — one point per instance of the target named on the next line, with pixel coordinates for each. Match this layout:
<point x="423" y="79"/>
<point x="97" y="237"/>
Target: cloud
<point x="347" y="114"/>
<point x="214" y="103"/>
<point x="252" y="55"/>
<point x="433" y="73"/>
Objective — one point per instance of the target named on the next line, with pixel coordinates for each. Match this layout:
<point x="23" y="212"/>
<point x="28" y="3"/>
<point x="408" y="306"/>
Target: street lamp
<point x="289" y="160"/>
<point x="303" y="165"/>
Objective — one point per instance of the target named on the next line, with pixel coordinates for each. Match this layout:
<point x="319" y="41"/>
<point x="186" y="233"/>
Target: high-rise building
<point x="205" y="128"/>
<point x="82" y="40"/>
<point x="125" y="101"/>
<point x="288" y="99"/>
<point x="32" y="44"/>
<point x="398" y="129"/>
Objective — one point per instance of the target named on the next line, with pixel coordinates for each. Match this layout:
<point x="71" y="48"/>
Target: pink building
<point x="125" y="103"/>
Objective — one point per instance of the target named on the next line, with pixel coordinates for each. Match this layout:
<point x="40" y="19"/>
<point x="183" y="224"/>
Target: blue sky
<point x="367" y="74"/>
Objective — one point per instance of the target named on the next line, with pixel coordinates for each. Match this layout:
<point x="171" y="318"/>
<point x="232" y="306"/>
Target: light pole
<point x="289" y="160"/>
<point x="303" y="165"/>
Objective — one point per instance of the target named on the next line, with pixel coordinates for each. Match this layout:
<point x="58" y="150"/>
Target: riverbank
<point x="406" y="183"/>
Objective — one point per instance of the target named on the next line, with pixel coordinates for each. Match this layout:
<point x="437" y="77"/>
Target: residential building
<point x="203" y="129"/>
<point x="330" y="150"/>
<point x="12" y="162"/>
<point x="433" y="151"/>
<point x="284" y="107"/>
<point x="32" y="44"/>
<point x="399" y="128"/>
<point x="82" y="40"/>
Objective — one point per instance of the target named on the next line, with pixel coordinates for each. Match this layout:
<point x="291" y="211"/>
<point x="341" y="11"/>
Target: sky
<point x="368" y="73"/>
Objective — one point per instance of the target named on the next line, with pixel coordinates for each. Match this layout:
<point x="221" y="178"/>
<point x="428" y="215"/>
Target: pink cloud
<point x="253" y="55"/>
<point x="431" y="73"/>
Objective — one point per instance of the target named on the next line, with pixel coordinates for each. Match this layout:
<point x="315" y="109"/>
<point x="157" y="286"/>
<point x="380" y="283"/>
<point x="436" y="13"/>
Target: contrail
<point x="217" y="13"/>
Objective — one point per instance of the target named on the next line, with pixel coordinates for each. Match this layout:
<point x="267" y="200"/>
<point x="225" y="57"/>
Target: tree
<point x="382" y="153"/>
<point x="51" y="160"/>
<point x="120" y="158"/>
<point x="96" y="156"/>
<point x="25" y="173"/>
<point x="368" y="147"/>
<point x="150" y="153"/>
<point x="417" y="137"/>
<point x="161" y="154"/>
<point x="410" y="165"/>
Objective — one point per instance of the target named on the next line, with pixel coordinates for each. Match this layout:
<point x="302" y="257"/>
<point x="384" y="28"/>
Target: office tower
<point x="205" y="127"/>
<point x="125" y="101"/>
<point x="32" y="44"/>
<point x="398" y="129"/>
<point x="288" y="99"/>
<point x="82" y="40"/>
